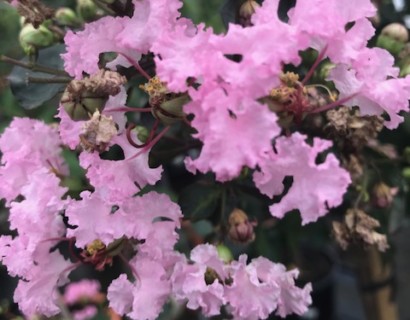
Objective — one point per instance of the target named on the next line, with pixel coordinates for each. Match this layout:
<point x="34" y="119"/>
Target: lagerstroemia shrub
<point x="231" y="91"/>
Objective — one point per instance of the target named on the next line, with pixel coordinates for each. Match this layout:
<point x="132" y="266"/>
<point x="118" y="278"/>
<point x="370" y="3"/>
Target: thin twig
<point x="32" y="66"/>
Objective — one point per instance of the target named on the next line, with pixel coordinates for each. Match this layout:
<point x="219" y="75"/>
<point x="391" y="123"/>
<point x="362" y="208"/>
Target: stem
<point x="136" y="65"/>
<point x="333" y="104"/>
<point x="314" y="66"/>
<point x="133" y="271"/>
<point x="129" y="109"/>
<point x="48" y="80"/>
<point x="104" y="7"/>
<point x="60" y="32"/>
<point x="151" y="144"/>
<point x="32" y="66"/>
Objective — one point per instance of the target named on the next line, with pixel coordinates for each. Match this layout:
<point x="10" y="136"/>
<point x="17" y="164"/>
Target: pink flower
<point x="149" y="21"/>
<point x="37" y="294"/>
<point x="189" y="281"/>
<point x="76" y="291"/>
<point x="137" y="217"/>
<point x="235" y="130"/>
<point x="143" y="299"/>
<point x="87" y="312"/>
<point x="116" y="180"/>
<point x="292" y="299"/>
<point x="84" y="47"/>
<point x="26" y="146"/>
<point x="260" y="287"/>
<point x="373" y="82"/>
<point x="315" y="187"/>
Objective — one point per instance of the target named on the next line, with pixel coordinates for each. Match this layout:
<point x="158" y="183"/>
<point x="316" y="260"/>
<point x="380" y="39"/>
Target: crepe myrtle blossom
<point x="319" y="185"/>
<point x="224" y="81"/>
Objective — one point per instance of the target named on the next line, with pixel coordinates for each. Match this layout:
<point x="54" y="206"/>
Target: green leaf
<point x="199" y="200"/>
<point x="33" y="95"/>
<point x="229" y="11"/>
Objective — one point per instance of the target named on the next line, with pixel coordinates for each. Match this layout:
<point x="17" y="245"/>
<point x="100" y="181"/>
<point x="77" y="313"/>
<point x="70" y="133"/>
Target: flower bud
<point x="66" y="17"/>
<point x="170" y="111"/>
<point x="240" y="228"/>
<point x="396" y="31"/>
<point x="224" y="253"/>
<point x="142" y="133"/>
<point x="390" y="44"/>
<point x="83" y="106"/>
<point x="383" y="195"/>
<point x="246" y="11"/>
<point x="88" y="10"/>
<point x="32" y="39"/>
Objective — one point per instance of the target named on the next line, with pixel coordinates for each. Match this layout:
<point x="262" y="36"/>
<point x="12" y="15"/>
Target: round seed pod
<point x="82" y="107"/>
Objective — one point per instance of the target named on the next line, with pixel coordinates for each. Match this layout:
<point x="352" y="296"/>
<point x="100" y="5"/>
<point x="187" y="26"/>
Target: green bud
<point x="224" y="253"/>
<point x="325" y="69"/>
<point x="83" y="107"/>
<point x="396" y="31"/>
<point x="88" y="10"/>
<point x="406" y="172"/>
<point x="142" y="133"/>
<point x="390" y="44"/>
<point x="32" y="39"/>
<point x="171" y="111"/>
<point x="405" y="70"/>
<point x="67" y="17"/>
<point x="406" y="154"/>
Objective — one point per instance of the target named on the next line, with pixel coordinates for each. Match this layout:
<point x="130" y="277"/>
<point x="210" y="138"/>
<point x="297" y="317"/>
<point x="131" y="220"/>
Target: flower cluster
<point x="226" y="83"/>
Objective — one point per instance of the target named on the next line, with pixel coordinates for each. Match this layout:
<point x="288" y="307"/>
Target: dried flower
<point x="358" y="226"/>
<point x="98" y="132"/>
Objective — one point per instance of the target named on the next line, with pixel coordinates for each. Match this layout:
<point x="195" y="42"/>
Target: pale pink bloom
<point x="26" y="146"/>
<point x="373" y="82"/>
<point x="235" y="130"/>
<point x="137" y="217"/>
<point x="250" y="297"/>
<point x="116" y="179"/>
<point x="184" y="53"/>
<point x="69" y="130"/>
<point x="37" y="219"/>
<point x="38" y="215"/>
<point x="150" y="20"/>
<point x="292" y="299"/>
<point x="84" y="47"/>
<point x="323" y="20"/>
<point x="188" y="281"/>
<point x="144" y="298"/>
<point x="76" y="291"/>
<point x="315" y="187"/>
<point x="263" y="286"/>
<point x="85" y="313"/>
<point x="37" y="294"/>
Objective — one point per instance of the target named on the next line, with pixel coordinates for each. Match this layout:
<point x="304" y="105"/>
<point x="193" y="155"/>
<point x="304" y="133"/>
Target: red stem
<point x="128" y="109"/>
<point x="136" y="65"/>
<point x="151" y="144"/>
<point x="314" y="66"/>
<point x="333" y="104"/>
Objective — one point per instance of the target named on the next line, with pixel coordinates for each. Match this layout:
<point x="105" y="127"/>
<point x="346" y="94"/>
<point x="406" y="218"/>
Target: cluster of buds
<point x="82" y="98"/>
